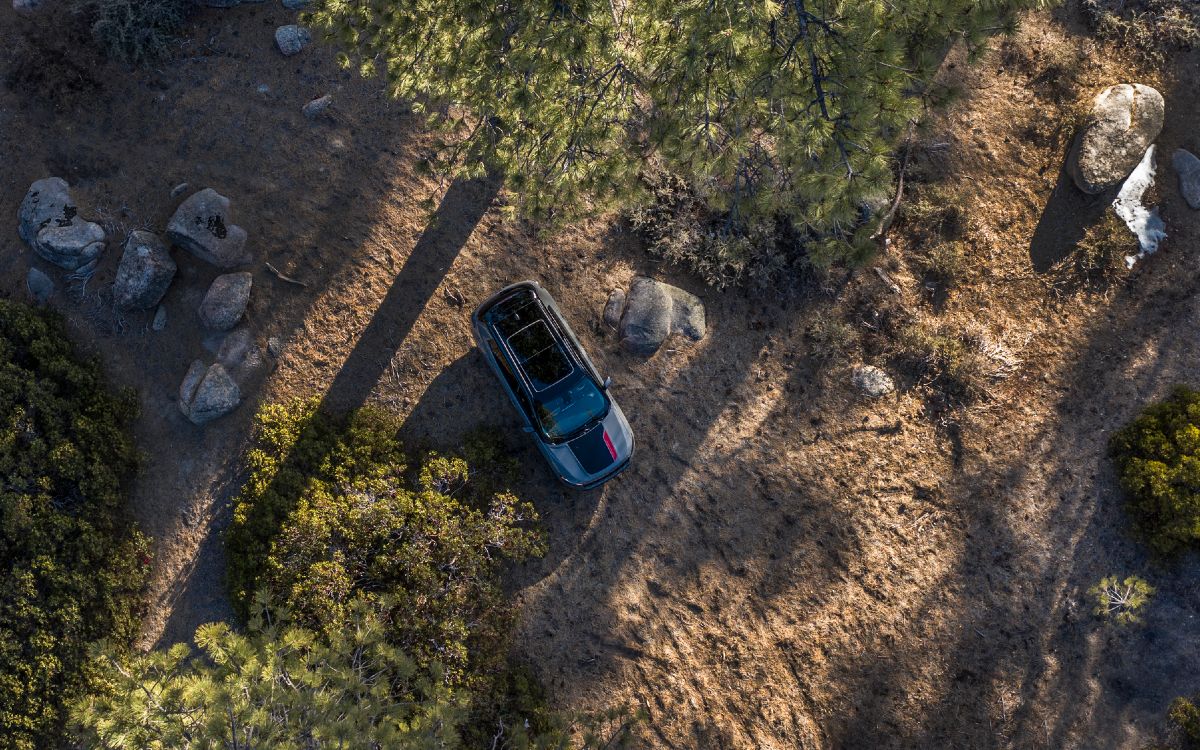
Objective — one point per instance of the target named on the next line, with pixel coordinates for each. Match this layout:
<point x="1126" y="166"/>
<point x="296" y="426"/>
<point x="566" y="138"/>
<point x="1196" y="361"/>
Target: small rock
<point x="1125" y="120"/>
<point x="1187" y="166"/>
<point x="317" y="107"/>
<point x="49" y="222"/>
<point x="872" y="381"/>
<point x="613" y="308"/>
<point x="275" y="346"/>
<point x="40" y="286"/>
<point x="26" y="6"/>
<point x="160" y="318"/>
<point x="653" y="311"/>
<point x="295" y="4"/>
<point x="207" y="393"/>
<point x="263" y="89"/>
<point x="144" y="273"/>
<point x="201" y="225"/>
<point x="225" y="302"/>
<point x="291" y="39"/>
<point x="179" y="190"/>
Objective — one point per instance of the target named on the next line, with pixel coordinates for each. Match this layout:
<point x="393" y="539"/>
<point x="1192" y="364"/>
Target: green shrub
<point x="133" y="31"/>
<point x="70" y="567"/>
<point x="1121" y="601"/>
<point x="332" y="513"/>
<point x="952" y="362"/>
<point x="1186" y="715"/>
<point x="1158" y="462"/>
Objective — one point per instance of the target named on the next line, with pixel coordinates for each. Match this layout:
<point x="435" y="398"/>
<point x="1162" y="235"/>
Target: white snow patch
<point x="1142" y="221"/>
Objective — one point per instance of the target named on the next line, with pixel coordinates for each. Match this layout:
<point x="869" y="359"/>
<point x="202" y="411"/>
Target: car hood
<point x="597" y="451"/>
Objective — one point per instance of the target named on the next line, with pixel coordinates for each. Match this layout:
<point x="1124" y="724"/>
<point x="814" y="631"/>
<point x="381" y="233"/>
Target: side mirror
<point x="607" y="383"/>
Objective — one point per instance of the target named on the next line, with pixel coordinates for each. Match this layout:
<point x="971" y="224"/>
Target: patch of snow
<point x="1142" y="221"/>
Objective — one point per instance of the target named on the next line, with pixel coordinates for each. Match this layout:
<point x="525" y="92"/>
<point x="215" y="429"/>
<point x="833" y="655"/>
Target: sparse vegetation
<point x="950" y="360"/>
<point x="834" y="340"/>
<point x="1121" y="601"/>
<point x="1153" y="30"/>
<point x="1099" y="257"/>
<point x="133" y="31"/>
<point x="943" y="263"/>
<point x="1158" y="460"/>
<point x="71" y="568"/>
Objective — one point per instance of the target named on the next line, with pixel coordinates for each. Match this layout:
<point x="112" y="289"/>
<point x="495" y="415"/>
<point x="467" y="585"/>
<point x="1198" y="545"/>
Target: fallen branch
<point x="283" y="277"/>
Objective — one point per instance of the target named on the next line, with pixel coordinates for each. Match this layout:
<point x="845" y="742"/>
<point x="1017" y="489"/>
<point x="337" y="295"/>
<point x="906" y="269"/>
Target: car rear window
<point x="540" y="355"/>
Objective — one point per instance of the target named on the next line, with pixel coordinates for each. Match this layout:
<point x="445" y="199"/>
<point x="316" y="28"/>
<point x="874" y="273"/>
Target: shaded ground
<point x="784" y="565"/>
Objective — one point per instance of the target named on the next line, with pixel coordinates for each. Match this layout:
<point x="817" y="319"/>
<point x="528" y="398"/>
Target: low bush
<point x="1186" y="715"/>
<point x="332" y="513"/>
<point x="943" y="263"/>
<point x="71" y="568"/>
<point x="133" y="31"/>
<point x="1158" y="462"/>
<point x="951" y="362"/>
<point x="1153" y="30"/>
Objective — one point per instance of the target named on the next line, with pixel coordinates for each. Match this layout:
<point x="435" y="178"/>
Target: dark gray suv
<point x="564" y="402"/>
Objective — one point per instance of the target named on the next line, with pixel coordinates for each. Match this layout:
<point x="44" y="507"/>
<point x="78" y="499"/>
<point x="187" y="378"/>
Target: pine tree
<point x="278" y="686"/>
<point x="770" y="108"/>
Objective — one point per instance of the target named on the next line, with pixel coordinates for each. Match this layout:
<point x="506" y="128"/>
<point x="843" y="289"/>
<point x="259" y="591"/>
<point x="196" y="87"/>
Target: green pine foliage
<point x="1185" y="714"/>
<point x="1158" y="461"/>
<point x="332" y="514"/>
<point x="71" y="568"/>
<point x="767" y="108"/>
<point x="278" y="686"/>
<point x="1121" y="601"/>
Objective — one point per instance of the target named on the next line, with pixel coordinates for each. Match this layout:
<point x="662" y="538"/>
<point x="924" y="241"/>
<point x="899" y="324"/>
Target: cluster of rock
<point x="651" y="312"/>
<point x="50" y="222"/>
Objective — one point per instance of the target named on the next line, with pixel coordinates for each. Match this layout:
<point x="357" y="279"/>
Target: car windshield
<point x="570" y="408"/>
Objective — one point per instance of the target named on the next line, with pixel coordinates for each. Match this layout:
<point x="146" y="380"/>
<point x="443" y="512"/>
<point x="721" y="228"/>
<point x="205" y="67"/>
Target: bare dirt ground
<point x="785" y="565"/>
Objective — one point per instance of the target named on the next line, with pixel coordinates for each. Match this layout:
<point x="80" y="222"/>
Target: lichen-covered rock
<point x="71" y="246"/>
<point x="653" y="311"/>
<point x="317" y="107"/>
<point x="48" y="220"/>
<point x="225" y="302"/>
<point x="144" y="273"/>
<point x="202" y="225"/>
<point x="291" y="39"/>
<point x="1187" y="166"/>
<point x="207" y="393"/>
<point x="1125" y="120"/>
<point x="872" y="381"/>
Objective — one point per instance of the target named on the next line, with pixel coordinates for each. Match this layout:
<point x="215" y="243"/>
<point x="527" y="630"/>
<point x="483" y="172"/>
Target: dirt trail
<point x="784" y="565"/>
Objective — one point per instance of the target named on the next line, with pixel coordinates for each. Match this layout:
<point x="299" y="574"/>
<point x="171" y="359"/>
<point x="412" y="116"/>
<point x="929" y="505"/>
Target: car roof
<point x="542" y="355"/>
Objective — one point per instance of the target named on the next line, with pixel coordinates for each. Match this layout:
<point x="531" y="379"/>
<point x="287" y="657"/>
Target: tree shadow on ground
<point x="461" y="209"/>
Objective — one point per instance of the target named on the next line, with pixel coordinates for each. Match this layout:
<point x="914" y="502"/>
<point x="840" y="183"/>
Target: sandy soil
<point x="785" y="565"/>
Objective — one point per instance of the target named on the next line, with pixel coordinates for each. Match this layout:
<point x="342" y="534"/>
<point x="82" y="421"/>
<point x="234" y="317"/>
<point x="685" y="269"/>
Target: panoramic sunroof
<point x="539" y="354"/>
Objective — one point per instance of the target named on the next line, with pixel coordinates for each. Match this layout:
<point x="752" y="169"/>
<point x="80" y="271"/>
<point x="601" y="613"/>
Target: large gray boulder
<point x="1124" y="121"/>
<point x="225" y="302"/>
<point x="1187" y="166"/>
<point x="144" y="273"/>
<point x="202" y="226"/>
<point x="49" y="221"/>
<point x="291" y="39"/>
<point x="653" y="311"/>
<point x="207" y="393"/>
